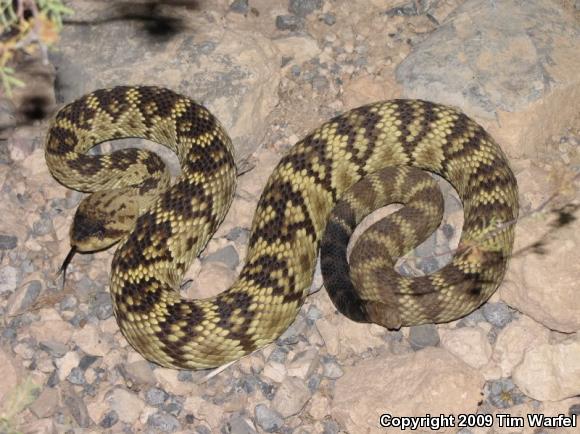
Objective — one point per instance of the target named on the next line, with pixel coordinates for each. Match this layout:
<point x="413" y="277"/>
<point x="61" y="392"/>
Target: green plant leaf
<point x="18" y="399"/>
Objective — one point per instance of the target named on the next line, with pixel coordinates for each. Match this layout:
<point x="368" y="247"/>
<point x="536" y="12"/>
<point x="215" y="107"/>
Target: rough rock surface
<point x="543" y="282"/>
<point x="444" y="65"/>
<point x="469" y="344"/>
<point x="550" y="372"/>
<point x="430" y="381"/>
<point x="515" y="340"/>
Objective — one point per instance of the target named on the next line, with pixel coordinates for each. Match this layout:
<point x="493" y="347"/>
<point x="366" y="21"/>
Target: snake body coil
<point x="163" y="226"/>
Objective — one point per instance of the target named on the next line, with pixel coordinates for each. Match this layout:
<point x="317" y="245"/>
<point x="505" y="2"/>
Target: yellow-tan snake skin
<point x="162" y="228"/>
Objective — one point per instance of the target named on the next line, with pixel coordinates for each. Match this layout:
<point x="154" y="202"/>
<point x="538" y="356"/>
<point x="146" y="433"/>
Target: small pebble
<point x="110" y="419"/>
<point x="76" y="376"/>
<point x="303" y="8"/>
<point x="77" y="408"/>
<point x="497" y="314"/>
<point x="407" y="10"/>
<point x="207" y="47"/>
<point x="53" y="379"/>
<point x="492" y="335"/>
<point x="9" y="334"/>
<point x="291" y="335"/>
<point x="27" y="266"/>
<point x="86" y="285"/>
<point x="288" y="22"/>
<point x="319" y="83"/>
<point x="90" y="389"/>
<point x="268" y="390"/>
<point x="163" y="422"/>
<point x="472" y="319"/>
<point x="102" y="306"/>
<point x="237" y="425"/>
<point x="268" y="419"/>
<point x="248" y="384"/>
<point x="330" y="427"/>
<point x="43" y="226"/>
<point x="202" y="430"/>
<point x="32" y="292"/>
<point x="448" y="230"/>
<point x="313" y="314"/>
<point x="25" y="349"/>
<point x="78" y="319"/>
<point x="503" y="393"/>
<point x="8" y="242"/>
<point x="87" y="361"/>
<point x="285" y="61"/>
<point x="239" y="6"/>
<point x="295" y="70"/>
<point x="238" y="233"/>
<point x="139" y="372"/>
<point x="314" y="383"/>
<point x="57" y="205"/>
<point x="185" y="376"/>
<point x="423" y="336"/>
<point x="428" y="265"/>
<point x="68" y="303"/>
<point x="55" y="349"/>
<point x="332" y="370"/>
<point x="278" y="355"/>
<point x="155" y="396"/>
<point x="329" y="19"/>
<point x="8" y="280"/>
<point x="173" y="405"/>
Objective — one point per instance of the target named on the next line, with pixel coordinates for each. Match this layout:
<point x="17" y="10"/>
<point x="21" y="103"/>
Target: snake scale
<point x="363" y="158"/>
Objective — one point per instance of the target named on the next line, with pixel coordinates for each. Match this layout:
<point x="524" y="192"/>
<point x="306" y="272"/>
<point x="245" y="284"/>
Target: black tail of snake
<point x="161" y="226"/>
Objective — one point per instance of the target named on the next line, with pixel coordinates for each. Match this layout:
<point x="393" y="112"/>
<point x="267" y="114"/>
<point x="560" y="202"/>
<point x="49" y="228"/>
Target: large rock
<point x="236" y="77"/>
<point x="512" y="63"/>
<point x="550" y="372"/>
<point x="542" y="280"/>
<point x="429" y="381"/>
<point x="514" y="340"/>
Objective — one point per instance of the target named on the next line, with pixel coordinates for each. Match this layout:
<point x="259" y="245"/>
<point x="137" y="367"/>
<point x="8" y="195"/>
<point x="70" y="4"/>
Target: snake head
<point x="101" y="220"/>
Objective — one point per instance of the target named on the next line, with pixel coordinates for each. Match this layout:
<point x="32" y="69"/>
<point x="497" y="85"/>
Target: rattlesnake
<point x="163" y="226"/>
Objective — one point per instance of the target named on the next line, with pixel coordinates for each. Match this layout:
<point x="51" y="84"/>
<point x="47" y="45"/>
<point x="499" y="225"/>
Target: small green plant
<point x="15" y="401"/>
<point x="26" y="26"/>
